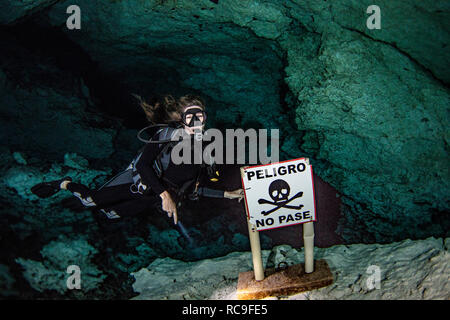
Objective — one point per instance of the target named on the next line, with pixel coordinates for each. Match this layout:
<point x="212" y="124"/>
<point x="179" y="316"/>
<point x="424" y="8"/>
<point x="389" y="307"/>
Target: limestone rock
<point x="51" y="273"/>
<point x="6" y="281"/>
<point x="407" y="270"/>
<point x="11" y="11"/>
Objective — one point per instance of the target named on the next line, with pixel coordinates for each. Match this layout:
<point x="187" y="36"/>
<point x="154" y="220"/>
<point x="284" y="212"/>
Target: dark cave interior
<point x="67" y="108"/>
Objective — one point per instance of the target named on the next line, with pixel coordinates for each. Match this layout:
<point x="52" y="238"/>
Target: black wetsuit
<point x="117" y="201"/>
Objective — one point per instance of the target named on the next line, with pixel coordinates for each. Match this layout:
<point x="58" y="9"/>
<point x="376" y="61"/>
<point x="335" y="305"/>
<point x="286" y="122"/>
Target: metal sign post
<point x="255" y="246"/>
<point x="256" y="252"/>
<point x="308" y="241"/>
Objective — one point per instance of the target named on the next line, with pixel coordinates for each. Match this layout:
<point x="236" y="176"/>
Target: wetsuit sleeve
<point x="145" y="168"/>
<point x="210" y="193"/>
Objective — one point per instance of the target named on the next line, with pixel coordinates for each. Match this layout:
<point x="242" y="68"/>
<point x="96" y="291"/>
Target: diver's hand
<point x="169" y="206"/>
<point x="235" y="194"/>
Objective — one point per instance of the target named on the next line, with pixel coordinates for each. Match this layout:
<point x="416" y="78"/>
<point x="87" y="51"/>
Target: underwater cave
<point x="368" y="107"/>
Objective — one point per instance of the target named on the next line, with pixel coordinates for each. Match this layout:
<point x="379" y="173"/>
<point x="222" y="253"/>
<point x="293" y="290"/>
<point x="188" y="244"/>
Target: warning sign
<point x="279" y="194"/>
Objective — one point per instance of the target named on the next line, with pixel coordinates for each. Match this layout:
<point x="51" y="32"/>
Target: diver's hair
<point x="167" y="108"/>
<point x="160" y="110"/>
<point x="190" y="100"/>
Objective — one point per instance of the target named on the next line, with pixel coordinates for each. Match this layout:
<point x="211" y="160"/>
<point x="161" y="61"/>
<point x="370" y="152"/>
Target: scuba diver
<point x="152" y="180"/>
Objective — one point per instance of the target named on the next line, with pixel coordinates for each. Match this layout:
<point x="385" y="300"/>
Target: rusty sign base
<point x="285" y="282"/>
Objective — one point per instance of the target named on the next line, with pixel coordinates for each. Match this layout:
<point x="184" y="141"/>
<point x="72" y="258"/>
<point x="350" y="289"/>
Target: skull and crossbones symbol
<point x="279" y="192"/>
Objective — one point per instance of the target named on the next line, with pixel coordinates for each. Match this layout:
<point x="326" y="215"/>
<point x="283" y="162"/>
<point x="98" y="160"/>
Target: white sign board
<point x="279" y="194"/>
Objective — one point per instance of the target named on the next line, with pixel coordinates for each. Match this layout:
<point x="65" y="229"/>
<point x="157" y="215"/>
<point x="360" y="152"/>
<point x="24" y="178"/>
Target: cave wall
<point x="183" y="46"/>
<point x="370" y="108"/>
<point x="374" y="105"/>
<point x="367" y="103"/>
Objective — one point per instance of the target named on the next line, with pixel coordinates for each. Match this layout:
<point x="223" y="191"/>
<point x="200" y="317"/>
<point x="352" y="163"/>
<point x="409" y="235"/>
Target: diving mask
<point x="194" y="116"/>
